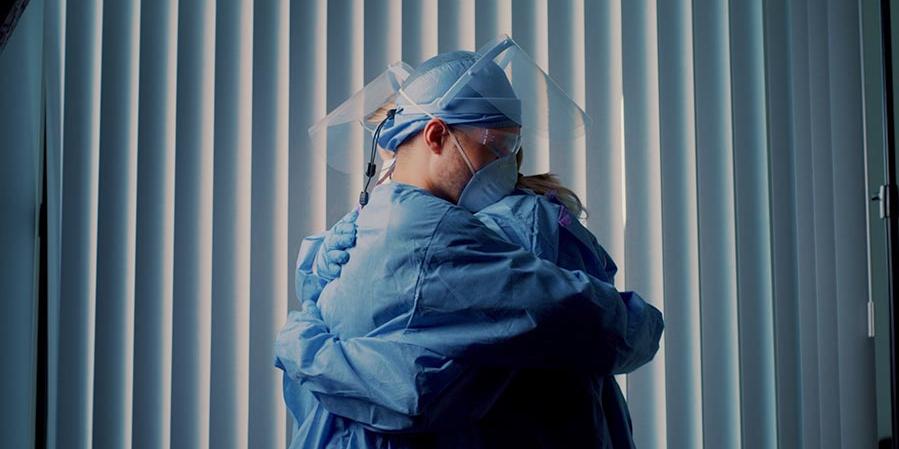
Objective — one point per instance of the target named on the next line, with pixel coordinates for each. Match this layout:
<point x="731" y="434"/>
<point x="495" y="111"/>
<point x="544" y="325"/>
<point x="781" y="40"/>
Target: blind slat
<point x="308" y="72"/>
<point x="566" y="67"/>
<point x="345" y="53"/>
<point x="78" y="258"/>
<point x="114" y="349"/>
<point x="715" y="200"/>
<point x="155" y="226"/>
<point x="21" y="75"/>
<point x="858" y="407"/>
<point x="381" y="47"/>
<point x="455" y="25"/>
<point x="420" y="29"/>
<point x="759" y="412"/>
<point x="604" y="103"/>
<point x="822" y="212"/>
<point x="805" y="235"/>
<point x="683" y="369"/>
<point x="530" y="30"/>
<point x="492" y="18"/>
<point x="231" y="235"/>
<point x="268" y="286"/>
<point x="643" y="225"/>
<point x="783" y="233"/>
<point x="307" y="103"/>
<point x="192" y="282"/>
<point x="54" y="42"/>
<point x="605" y="141"/>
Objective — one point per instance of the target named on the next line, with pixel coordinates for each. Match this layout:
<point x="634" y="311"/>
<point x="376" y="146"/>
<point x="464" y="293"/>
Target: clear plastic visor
<point x="500" y="142"/>
<point x="503" y="82"/>
<point x="344" y="135"/>
<point x="547" y="116"/>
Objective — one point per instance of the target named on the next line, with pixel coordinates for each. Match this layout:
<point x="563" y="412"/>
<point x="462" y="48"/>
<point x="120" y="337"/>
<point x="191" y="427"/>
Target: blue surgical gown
<point x="440" y="333"/>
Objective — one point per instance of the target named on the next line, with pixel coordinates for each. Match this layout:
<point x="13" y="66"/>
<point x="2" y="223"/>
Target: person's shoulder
<point x="542" y="214"/>
<point x="408" y="212"/>
<point x="518" y="206"/>
<point x="519" y="199"/>
<point x="527" y="204"/>
<point x="458" y="218"/>
<point x="550" y="204"/>
<point x="459" y="228"/>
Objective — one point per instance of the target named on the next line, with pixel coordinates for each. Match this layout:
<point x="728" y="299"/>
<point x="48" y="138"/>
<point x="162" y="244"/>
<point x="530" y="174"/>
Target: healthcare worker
<point x="437" y="327"/>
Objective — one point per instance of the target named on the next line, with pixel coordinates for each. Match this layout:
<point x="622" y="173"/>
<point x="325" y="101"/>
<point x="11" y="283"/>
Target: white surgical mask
<point x="489" y="184"/>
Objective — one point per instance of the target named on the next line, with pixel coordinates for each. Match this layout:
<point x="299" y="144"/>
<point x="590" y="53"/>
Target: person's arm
<point x="478" y="299"/>
<point x="321" y="257"/>
<point x="644" y="328"/>
<point x="578" y="249"/>
<point x="643" y="323"/>
<point x="383" y="383"/>
<point x="486" y="300"/>
<point x="307" y="283"/>
<point x="343" y="392"/>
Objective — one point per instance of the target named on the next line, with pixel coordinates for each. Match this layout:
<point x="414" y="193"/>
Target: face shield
<point x="498" y="95"/>
<point x="500" y="90"/>
<point x="500" y="142"/>
<point x="360" y="114"/>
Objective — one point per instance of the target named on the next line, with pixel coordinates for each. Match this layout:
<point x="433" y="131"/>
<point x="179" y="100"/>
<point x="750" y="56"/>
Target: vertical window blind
<point x="724" y="173"/>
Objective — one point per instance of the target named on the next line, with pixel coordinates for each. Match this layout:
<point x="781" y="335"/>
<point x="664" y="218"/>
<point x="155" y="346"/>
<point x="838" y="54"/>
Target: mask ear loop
<point x="462" y="152"/>
<point x="455" y="139"/>
<point x="387" y="172"/>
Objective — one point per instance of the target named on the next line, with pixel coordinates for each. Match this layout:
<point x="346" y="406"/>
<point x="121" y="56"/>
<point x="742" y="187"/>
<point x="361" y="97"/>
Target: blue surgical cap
<point x="431" y="80"/>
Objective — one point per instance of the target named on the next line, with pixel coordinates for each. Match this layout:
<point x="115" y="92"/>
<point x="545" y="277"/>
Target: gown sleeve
<point x="307" y="284"/>
<point x="479" y="301"/>
<point x="489" y="301"/>
<point x="385" y="384"/>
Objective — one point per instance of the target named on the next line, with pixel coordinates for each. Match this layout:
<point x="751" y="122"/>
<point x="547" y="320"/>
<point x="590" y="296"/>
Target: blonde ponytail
<point x="548" y="184"/>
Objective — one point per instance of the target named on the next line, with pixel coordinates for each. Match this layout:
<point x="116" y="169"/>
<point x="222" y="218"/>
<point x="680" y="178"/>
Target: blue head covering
<point x="473" y="105"/>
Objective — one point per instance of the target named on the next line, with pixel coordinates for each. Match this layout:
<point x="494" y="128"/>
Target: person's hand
<point x="311" y="308"/>
<point x="333" y="255"/>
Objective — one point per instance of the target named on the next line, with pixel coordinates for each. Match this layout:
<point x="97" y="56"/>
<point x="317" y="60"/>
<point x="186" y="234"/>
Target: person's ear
<point x="435" y="133"/>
